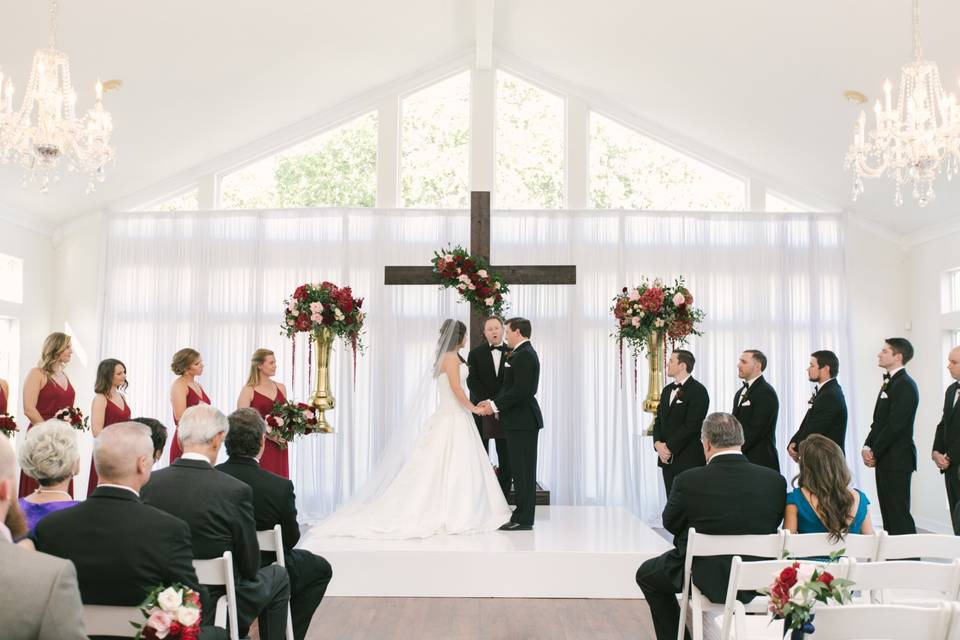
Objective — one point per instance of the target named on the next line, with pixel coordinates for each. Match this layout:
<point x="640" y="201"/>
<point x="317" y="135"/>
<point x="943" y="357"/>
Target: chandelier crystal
<point x="46" y="131"/>
<point x="915" y="139"/>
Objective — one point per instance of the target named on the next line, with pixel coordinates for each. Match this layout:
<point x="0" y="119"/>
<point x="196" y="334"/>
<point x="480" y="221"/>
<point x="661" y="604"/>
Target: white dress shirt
<point x="195" y="456"/>
<point x="130" y="489"/>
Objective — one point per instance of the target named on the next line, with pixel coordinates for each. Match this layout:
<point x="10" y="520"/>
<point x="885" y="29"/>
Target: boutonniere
<point x="679" y="394"/>
<point x="812" y="399"/>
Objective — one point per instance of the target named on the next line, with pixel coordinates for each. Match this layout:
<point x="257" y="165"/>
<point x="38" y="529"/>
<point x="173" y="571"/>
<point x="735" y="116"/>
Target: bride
<point x="437" y="482"/>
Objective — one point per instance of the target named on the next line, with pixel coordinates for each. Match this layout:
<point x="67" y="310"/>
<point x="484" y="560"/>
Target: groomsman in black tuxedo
<point x="219" y="511"/>
<point x="946" y="442"/>
<point x="889" y="446"/>
<point x="274" y="503"/>
<point x="485" y="365"/>
<point x="521" y="418"/>
<point x="755" y="406"/>
<point x="676" y="428"/>
<point x="826" y="408"/>
<point x="121" y="547"/>
<point x="728" y="496"/>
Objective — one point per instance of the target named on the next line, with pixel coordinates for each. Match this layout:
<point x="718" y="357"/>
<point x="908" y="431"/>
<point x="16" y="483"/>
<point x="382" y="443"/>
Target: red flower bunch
<point x="798" y="588"/>
<point x="8" y="425"/>
<point x="288" y="420"/>
<point x="170" y="612"/>
<point x="654" y="307"/>
<point x="324" y="306"/>
<point x="74" y="417"/>
<point x="472" y="278"/>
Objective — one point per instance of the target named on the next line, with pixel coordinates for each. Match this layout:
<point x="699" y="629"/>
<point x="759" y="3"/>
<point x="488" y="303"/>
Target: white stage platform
<point x="572" y="552"/>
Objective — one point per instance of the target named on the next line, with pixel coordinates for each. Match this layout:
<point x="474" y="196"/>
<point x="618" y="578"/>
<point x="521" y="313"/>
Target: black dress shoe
<point x="515" y="526"/>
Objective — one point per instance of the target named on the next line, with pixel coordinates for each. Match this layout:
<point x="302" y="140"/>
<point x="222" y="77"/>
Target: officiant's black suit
<point x="219" y="511"/>
<point x="757" y="410"/>
<point x="826" y="415"/>
<point x="275" y="503"/>
<point x="678" y="424"/>
<point x="891" y="440"/>
<point x="947" y="440"/>
<point x="521" y="419"/>
<point x="729" y="496"/>
<point x="484" y="381"/>
<point x="121" y="548"/>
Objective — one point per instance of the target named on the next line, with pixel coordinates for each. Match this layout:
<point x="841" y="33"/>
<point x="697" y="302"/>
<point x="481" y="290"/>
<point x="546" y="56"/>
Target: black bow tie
<point x="497" y="347"/>
<point x="886" y="377"/>
<point x="746" y="385"/>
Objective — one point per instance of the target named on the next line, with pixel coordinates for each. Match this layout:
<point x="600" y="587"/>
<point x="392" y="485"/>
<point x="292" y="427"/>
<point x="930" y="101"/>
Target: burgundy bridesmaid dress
<point x="111" y="415"/>
<point x="192" y="400"/>
<point x="51" y="399"/>
<point x="274" y="459"/>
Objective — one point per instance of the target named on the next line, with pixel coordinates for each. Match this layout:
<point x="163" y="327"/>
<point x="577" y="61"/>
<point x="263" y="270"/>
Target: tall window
<point x="184" y="201"/>
<point x="950" y="291"/>
<point x="11" y="279"/>
<point x="337" y="168"/>
<point x="631" y="171"/>
<point x="530" y="146"/>
<point x="435" y="145"/>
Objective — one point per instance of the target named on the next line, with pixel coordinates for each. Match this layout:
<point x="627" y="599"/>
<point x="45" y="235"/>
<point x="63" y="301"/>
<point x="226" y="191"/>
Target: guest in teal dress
<point x="824" y="502"/>
<point x="50" y="455"/>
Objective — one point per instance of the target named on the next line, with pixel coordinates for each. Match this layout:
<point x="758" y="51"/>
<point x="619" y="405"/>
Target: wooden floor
<point x="479" y="619"/>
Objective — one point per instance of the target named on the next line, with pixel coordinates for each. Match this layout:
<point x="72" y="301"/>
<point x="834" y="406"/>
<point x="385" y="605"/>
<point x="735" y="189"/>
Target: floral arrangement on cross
<point x="472" y="278"/>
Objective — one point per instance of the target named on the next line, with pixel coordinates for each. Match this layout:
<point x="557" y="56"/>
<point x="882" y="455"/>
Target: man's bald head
<point x="123" y="454"/>
<point x="953" y="363"/>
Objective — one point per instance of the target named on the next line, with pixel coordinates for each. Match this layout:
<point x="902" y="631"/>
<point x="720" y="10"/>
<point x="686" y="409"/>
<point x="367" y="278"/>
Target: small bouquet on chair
<point x="73" y="417"/>
<point x="170" y="612"/>
<point x="288" y="420"/>
<point x="8" y="426"/>
<point x="797" y="589"/>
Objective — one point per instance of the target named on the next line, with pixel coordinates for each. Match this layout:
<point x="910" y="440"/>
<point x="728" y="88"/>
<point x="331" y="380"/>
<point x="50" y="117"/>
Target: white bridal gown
<point x="446" y="486"/>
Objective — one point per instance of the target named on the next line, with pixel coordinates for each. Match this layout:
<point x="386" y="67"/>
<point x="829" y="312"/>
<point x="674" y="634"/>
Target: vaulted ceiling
<point x="757" y="81"/>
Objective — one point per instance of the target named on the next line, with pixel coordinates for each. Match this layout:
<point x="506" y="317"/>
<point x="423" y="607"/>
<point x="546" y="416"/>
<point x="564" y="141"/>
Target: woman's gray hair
<point x="722" y="431"/>
<point x="201" y="423"/>
<point x="50" y="452"/>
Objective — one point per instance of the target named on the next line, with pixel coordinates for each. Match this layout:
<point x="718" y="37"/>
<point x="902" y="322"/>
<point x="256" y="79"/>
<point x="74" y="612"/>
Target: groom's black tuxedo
<point x="678" y="424"/>
<point x="521" y="419"/>
<point x="756" y="408"/>
<point x="484" y="381"/>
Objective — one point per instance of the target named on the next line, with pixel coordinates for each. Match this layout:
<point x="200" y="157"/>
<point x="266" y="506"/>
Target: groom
<point x="521" y="419"/>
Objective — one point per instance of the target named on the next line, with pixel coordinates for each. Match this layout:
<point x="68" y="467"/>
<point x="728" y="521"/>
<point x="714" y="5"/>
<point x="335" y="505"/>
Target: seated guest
<point x="39" y="599"/>
<point x="729" y="496"/>
<point x="274" y="503"/>
<point x="219" y="512"/>
<point x="824" y="502"/>
<point x="121" y="547"/>
<point x="158" y="434"/>
<point x="50" y="455"/>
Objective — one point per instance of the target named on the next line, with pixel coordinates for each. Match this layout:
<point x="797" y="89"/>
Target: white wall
<point x="876" y="284"/>
<point x="78" y="246"/>
<point x="924" y="267"/>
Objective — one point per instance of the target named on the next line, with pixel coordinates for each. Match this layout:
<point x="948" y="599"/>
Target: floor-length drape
<point x="216" y="281"/>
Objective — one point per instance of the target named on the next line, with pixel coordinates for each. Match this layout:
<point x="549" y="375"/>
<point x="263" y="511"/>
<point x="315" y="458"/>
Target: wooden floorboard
<point x="479" y="619"/>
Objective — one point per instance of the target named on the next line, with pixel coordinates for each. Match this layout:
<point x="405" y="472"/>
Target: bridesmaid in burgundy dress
<point x="260" y="393"/>
<point x="46" y="391"/>
<point x="109" y="405"/>
<point x="186" y="391"/>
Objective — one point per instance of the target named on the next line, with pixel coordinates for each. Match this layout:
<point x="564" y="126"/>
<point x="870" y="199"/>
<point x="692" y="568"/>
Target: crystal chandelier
<point x="915" y="139"/>
<point x="46" y="129"/>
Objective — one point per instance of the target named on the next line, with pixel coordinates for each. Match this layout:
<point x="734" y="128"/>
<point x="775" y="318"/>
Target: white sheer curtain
<point x="216" y="281"/>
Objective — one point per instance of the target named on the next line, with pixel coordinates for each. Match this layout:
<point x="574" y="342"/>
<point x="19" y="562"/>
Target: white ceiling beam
<point x="484" y="26"/>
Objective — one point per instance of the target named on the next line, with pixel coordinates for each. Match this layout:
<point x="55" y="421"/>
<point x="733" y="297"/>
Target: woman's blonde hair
<point x="258" y="358"/>
<point x="53" y="347"/>
<point x="50" y="452"/>
<point x="183" y="360"/>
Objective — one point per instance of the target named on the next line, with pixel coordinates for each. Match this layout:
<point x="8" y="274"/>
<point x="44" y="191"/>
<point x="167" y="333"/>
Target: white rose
<point x="465" y="279"/>
<point x="801" y="597"/>
<point x="805" y="572"/>
<point x="482" y="273"/>
<point x="489" y="302"/>
<point x="496" y="285"/>
<point x="641" y="314"/>
<point x="188" y="616"/>
<point x="659" y="322"/>
<point x="448" y="258"/>
<point x="337" y="313"/>
<point x="169" y="599"/>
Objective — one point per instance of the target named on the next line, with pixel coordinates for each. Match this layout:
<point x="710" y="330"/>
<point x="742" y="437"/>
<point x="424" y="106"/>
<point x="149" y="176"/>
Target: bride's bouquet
<point x="8" y="426"/>
<point x="73" y="417"/>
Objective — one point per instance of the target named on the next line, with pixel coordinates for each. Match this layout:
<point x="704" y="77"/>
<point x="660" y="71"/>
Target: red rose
<point x="175" y="629"/>
<point x="624" y="289"/>
<point x="359" y="302"/>
<point x="302" y="323"/>
<point x="301" y="293"/>
<point x="346" y="304"/>
<point x="652" y="300"/>
<point x="825" y="578"/>
<point x="788" y="577"/>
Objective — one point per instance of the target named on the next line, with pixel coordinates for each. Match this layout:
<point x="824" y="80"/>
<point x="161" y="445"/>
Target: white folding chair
<point x="929" y="546"/>
<point x="272" y="540"/>
<point x="808" y="545"/>
<point x="218" y="572"/>
<point x="104" y="620"/>
<point x="885" y="622"/>
<point x="700" y="544"/>
<point x="876" y="580"/>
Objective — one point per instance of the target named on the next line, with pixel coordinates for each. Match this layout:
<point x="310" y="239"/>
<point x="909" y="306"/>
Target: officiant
<point x="485" y="365"/>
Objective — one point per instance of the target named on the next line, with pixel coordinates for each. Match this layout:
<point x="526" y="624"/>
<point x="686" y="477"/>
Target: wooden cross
<point x="480" y="246"/>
